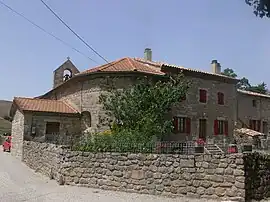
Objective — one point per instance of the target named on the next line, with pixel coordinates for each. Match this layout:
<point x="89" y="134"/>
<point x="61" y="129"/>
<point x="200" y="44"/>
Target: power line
<point x="42" y="29"/>
<point x="73" y="31"/>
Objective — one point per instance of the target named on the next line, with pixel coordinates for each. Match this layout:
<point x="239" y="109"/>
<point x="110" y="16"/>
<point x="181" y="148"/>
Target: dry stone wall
<point x="216" y="177"/>
<point x="43" y="157"/>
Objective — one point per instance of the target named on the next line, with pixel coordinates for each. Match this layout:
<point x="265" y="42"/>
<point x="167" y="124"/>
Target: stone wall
<point x="43" y="157"/>
<point x="216" y="177"/>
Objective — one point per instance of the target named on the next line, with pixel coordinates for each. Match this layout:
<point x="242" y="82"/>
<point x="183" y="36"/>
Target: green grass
<point x="5" y="126"/>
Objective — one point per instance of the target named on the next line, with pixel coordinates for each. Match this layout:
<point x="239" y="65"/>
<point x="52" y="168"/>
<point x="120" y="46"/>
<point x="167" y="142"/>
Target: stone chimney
<point x="216" y="68"/>
<point x="148" y="54"/>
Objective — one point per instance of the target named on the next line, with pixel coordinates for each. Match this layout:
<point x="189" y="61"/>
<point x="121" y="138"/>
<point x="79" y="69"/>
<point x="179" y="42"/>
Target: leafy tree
<point x="260" y="88"/>
<point x="261" y="7"/>
<point x="244" y="84"/>
<point x="229" y="72"/>
<point x="143" y="111"/>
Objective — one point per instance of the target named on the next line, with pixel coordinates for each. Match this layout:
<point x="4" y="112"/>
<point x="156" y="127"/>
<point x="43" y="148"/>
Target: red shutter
<point x="254" y="125"/>
<point x="203" y="96"/>
<point x="219" y="96"/>
<point x="188" y="125"/>
<point x="216" y="127"/>
<point x="250" y="124"/>
<point x="175" y="124"/>
<point x="226" y="127"/>
<point x="259" y="126"/>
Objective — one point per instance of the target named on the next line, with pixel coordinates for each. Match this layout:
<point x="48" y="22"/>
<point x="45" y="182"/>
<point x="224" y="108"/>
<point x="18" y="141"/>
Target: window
<point x="255" y="125"/>
<point x="254" y="103"/>
<point x="86" y="119"/>
<point x="52" y="127"/>
<point x="220" y="98"/>
<point x="203" y="96"/>
<point x="181" y="125"/>
<point x="220" y="127"/>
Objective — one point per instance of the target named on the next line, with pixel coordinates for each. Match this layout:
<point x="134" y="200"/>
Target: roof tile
<point x="43" y="105"/>
<point x="127" y="65"/>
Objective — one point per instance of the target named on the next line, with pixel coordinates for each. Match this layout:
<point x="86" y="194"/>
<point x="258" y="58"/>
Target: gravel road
<point x="19" y="183"/>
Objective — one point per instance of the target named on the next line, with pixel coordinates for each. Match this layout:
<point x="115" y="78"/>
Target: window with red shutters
<point x="221" y="127"/>
<point x="181" y="125"/>
<point x="255" y="125"/>
<point x="220" y="98"/>
<point x="203" y="96"/>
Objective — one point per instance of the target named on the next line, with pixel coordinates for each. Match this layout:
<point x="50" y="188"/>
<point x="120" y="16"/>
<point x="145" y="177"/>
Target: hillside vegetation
<point x="5" y="126"/>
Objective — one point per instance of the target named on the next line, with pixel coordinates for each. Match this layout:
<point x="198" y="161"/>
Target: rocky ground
<point x="19" y="183"/>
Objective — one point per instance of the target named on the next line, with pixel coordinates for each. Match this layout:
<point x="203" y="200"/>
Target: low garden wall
<point x="217" y="177"/>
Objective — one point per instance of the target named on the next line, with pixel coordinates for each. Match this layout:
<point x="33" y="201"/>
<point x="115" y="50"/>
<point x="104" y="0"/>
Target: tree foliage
<point x="143" y="111"/>
<point x="229" y="72"/>
<point x="244" y="84"/>
<point x="261" y="8"/>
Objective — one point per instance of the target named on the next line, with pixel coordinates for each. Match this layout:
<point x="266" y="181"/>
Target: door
<point x="202" y="129"/>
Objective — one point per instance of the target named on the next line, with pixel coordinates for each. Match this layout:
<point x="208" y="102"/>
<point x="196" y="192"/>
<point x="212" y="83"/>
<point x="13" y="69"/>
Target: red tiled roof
<point x="141" y="65"/>
<point x="253" y="93"/>
<point x="128" y="65"/>
<point x="43" y="105"/>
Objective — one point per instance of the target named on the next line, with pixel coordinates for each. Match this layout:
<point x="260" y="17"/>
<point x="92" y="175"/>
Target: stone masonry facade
<point x="17" y="134"/>
<point x="217" y="177"/>
<point x="253" y="106"/>
<point x="32" y="126"/>
<point x="84" y="94"/>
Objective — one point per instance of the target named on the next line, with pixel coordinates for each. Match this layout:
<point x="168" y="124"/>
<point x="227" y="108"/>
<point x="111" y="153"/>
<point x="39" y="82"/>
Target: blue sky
<point x="182" y="32"/>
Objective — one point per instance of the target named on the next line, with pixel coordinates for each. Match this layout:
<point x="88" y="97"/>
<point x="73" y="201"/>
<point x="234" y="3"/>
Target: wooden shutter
<point x="226" y="127"/>
<point x="216" y="127"/>
<point x="203" y="95"/>
<point x="188" y="125"/>
<point x="175" y="124"/>
<point x="259" y="126"/>
<point x="220" y="98"/>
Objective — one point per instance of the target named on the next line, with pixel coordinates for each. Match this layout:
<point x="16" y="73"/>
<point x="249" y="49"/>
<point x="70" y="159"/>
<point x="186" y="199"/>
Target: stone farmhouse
<point x="212" y="108"/>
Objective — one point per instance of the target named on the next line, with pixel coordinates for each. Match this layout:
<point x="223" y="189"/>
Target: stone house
<point x="253" y="110"/>
<point x="72" y="106"/>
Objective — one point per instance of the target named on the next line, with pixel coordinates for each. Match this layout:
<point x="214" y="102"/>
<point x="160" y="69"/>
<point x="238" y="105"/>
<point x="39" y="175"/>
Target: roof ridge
<point x="66" y="103"/>
<point x="111" y="63"/>
<point x="31" y="98"/>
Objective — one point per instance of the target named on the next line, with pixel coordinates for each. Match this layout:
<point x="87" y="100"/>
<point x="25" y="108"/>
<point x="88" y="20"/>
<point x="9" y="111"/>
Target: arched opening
<point x="86" y="120"/>
<point x="67" y="74"/>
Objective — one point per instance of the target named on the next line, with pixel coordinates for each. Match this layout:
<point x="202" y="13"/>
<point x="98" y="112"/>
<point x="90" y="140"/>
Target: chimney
<point x="148" y="54"/>
<point x="216" y="68"/>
